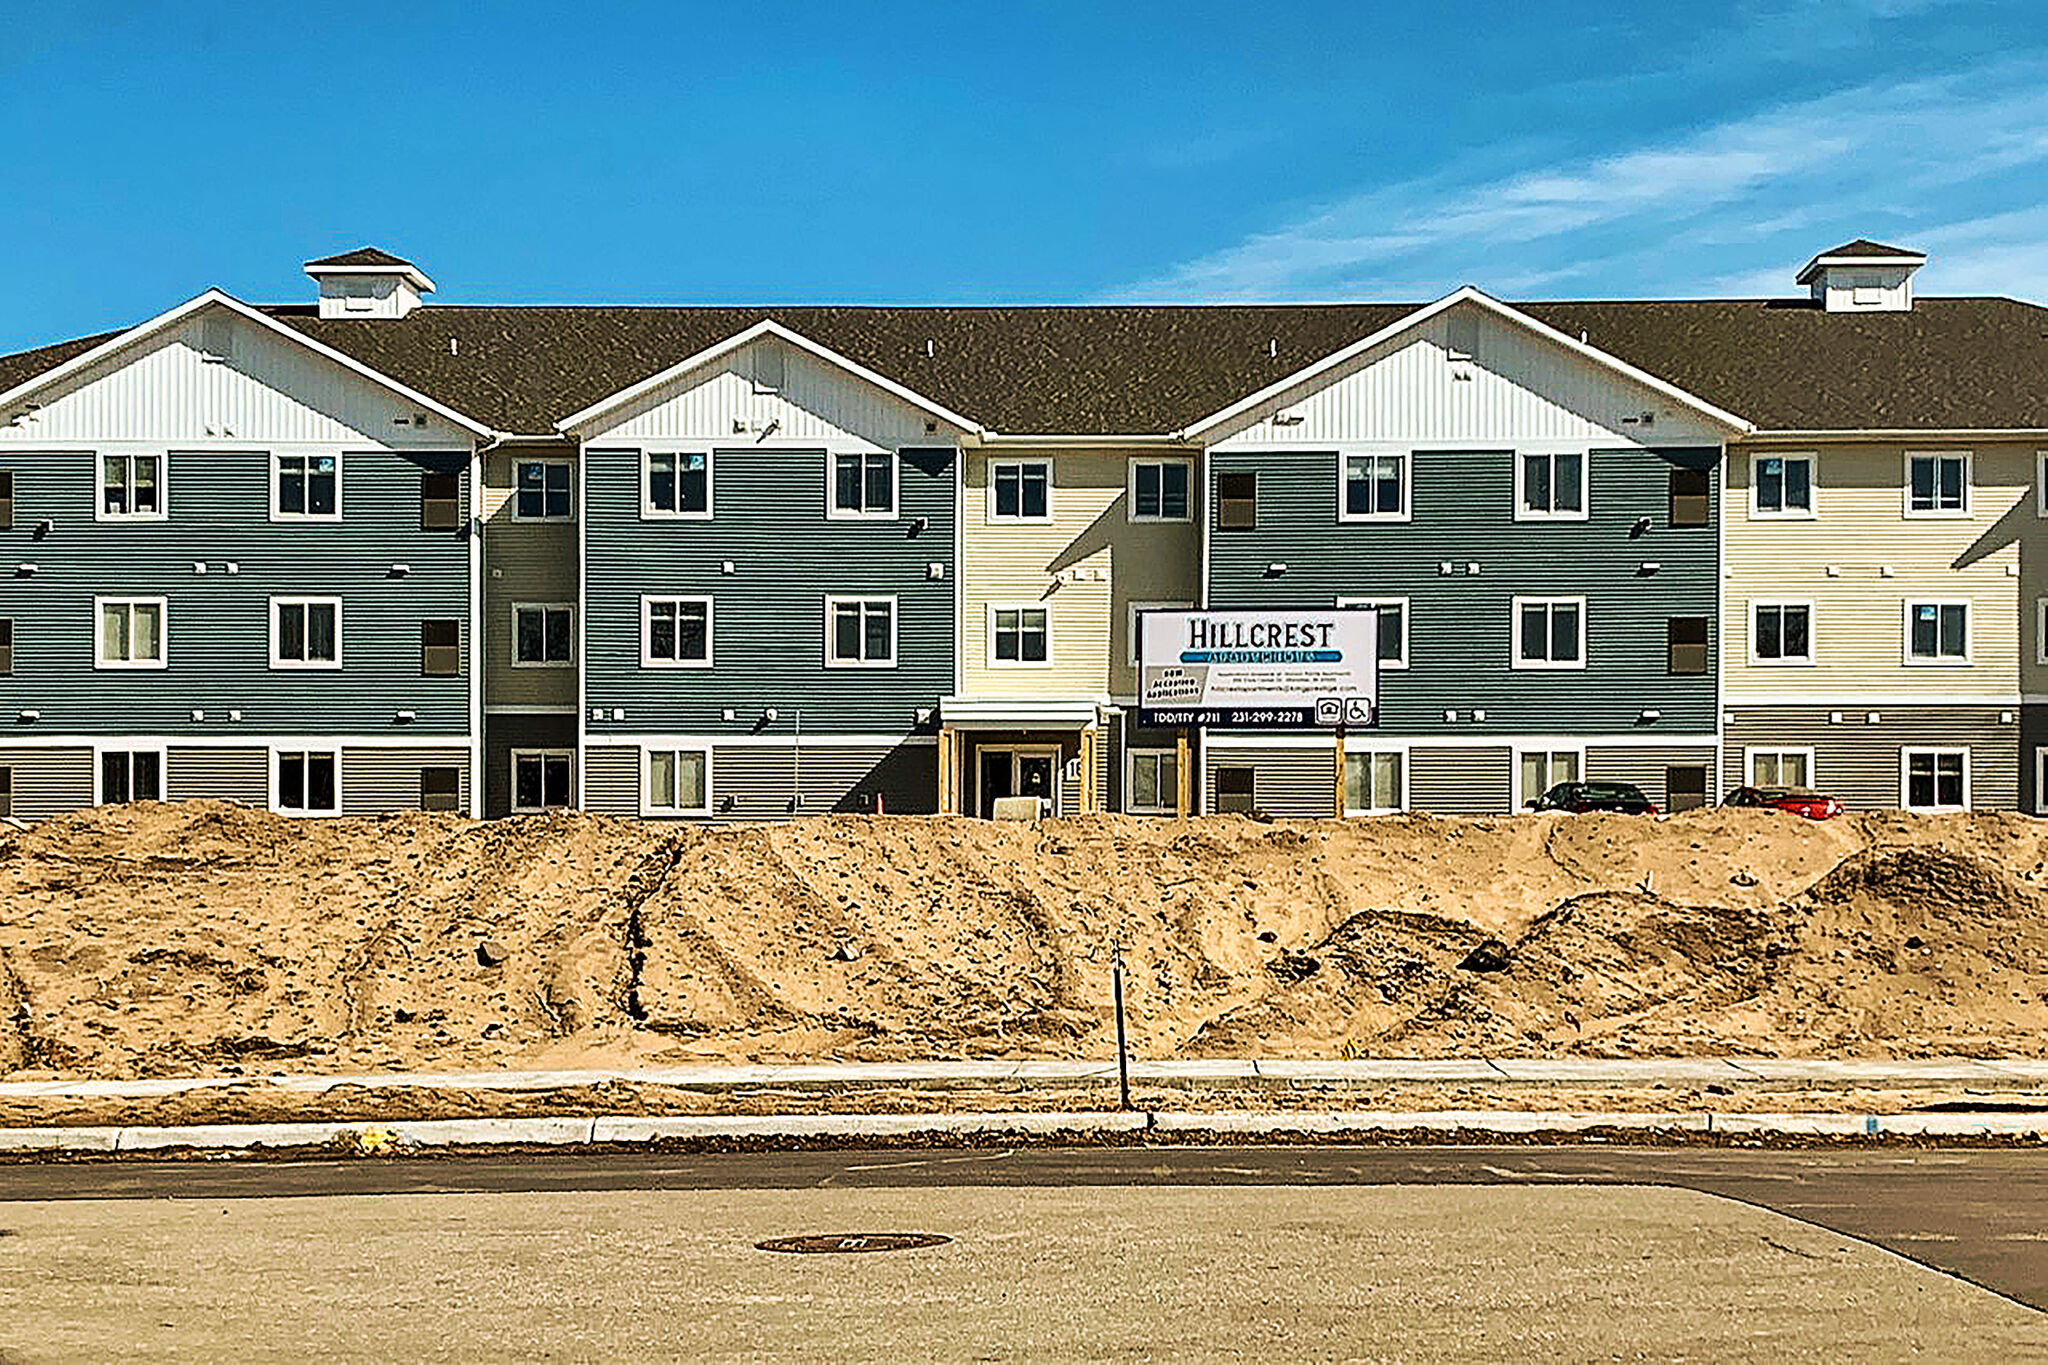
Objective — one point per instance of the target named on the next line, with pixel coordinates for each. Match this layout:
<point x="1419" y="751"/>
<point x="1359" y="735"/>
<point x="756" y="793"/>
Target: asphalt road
<point x="1980" y="1215"/>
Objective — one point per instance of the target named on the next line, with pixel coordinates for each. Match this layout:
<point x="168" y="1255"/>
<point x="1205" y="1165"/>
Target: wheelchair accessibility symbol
<point x="1357" y="711"/>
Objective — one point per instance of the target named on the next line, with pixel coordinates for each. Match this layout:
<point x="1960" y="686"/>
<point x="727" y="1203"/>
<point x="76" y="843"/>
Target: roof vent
<point x="1863" y="277"/>
<point x="368" y="283"/>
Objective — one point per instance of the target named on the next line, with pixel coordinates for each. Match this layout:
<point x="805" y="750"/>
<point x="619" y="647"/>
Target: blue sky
<point x="950" y="153"/>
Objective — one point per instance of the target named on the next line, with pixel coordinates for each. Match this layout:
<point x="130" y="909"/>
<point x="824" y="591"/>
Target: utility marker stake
<point x="1123" y="1055"/>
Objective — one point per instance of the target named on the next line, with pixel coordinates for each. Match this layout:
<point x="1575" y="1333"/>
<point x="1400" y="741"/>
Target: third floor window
<point x="131" y="486"/>
<point x="1375" y="488"/>
<point x="307" y="487"/>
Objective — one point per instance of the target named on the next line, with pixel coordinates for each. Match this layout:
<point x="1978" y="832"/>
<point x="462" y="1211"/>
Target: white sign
<point x="1255" y="669"/>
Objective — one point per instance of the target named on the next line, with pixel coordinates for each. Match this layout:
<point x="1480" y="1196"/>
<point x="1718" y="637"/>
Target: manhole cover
<point x="822" y="1242"/>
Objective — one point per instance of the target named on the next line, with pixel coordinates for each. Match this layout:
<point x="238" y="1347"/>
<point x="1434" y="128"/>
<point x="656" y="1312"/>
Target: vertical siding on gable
<point x="49" y="782"/>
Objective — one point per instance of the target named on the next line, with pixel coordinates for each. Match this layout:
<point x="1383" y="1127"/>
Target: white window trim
<point x="1131" y="757"/>
<point x="1906" y="753"/>
<point x="1515" y="638"/>
<point x="512" y="771"/>
<point x="277" y="661"/>
<point x="990" y="638"/>
<point x="1912" y="660"/>
<point x="277" y="457"/>
<point x="647" y="660"/>
<point x="1524" y="513"/>
<point x="1938" y="513"/>
<point x="2041" y="630"/>
<point x="1131" y="493"/>
<point x="648" y="809"/>
<point x="99" y="638"/>
<point x="163" y="775"/>
<point x="2041" y="483"/>
<point x="1522" y="798"/>
<point x="895" y="624"/>
<point x="276" y="804"/>
<point x="833" y="512"/>
<point x="2041" y="779"/>
<point x="649" y="512"/>
<point x="1402" y="603"/>
<point x="1812" y="651"/>
<point x="1751" y="751"/>
<point x="163" y="485"/>
<point x="1402" y="754"/>
<point x="569" y="607"/>
<point x="997" y="519"/>
<point x="1812" y="511"/>
<point x="553" y="463"/>
<point x="1407" y="512"/>
<point x="1131" y="610"/>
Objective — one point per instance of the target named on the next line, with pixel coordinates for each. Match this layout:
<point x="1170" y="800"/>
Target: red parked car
<point x="1797" y="800"/>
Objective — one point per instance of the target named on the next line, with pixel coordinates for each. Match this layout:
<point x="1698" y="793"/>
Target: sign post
<point x="1183" y="780"/>
<point x="1340" y="772"/>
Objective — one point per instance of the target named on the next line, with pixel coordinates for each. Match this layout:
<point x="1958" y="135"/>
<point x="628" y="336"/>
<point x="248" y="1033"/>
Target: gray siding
<point x="1645" y="768"/>
<point x="1857" y="762"/>
<point x="374" y="781"/>
<point x="1460" y="626"/>
<point x="49" y="781"/>
<point x="1461" y="781"/>
<point x="195" y="774"/>
<point x="217" y="632"/>
<point x="504" y="733"/>
<point x="1299" y="782"/>
<point x="611" y="780"/>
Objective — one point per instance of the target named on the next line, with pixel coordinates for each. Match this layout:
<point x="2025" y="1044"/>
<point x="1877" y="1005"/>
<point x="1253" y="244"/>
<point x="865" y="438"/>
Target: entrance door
<point x="1018" y="772"/>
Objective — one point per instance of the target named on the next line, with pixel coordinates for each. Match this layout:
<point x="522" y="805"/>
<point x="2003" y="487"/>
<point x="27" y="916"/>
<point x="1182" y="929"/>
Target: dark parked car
<point x="1624" y="797"/>
<point x="1797" y="800"/>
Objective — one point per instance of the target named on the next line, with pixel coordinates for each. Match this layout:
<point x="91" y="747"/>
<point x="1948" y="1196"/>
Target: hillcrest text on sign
<point x="1259" y="669"/>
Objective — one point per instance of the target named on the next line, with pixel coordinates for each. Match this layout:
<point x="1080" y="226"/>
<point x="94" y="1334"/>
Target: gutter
<point x="1896" y="434"/>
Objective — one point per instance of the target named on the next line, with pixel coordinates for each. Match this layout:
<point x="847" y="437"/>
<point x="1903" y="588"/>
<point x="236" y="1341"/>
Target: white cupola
<point x="1863" y="277"/>
<point x="368" y="283"/>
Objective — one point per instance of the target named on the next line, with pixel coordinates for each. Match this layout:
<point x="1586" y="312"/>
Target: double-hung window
<point x="1937" y="632"/>
<point x="1780" y="767"/>
<point x="1375" y="488"/>
<point x="1372" y="782"/>
<point x="863" y="484"/>
<point x="1393" y="627"/>
<point x="1938" y="485"/>
<point x="543" y="635"/>
<point x="678" y="782"/>
<point x="675" y="632"/>
<point x="1538" y="770"/>
<point x="131" y="632"/>
<point x="307" y="782"/>
<point x="1781" y="632"/>
<point x="6" y="646"/>
<point x="542" y="779"/>
<point x="1155" y="782"/>
<point x="305" y="632"/>
<point x="677" y="483"/>
<point x="1934" y="779"/>
<point x="1021" y="490"/>
<point x="1550" y="487"/>
<point x="1019" y="635"/>
<point x="306" y="487"/>
<point x="541" y="490"/>
<point x="1781" y="486"/>
<point x="860" y="632"/>
<point x="1159" y="490"/>
<point x="130" y="775"/>
<point x="1550" y="632"/>
<point x="131" y="488"/>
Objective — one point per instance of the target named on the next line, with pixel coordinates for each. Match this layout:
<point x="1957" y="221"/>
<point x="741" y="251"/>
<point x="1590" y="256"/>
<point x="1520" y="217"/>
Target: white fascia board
<point x="1070" y="440"/>
<point x="214" y="297"/>
<point x="1792" y="437"/>
<point x="1814" y="266"/>
<point x="1198" y="431"/>
<point x="411" y="274"/>
<point x="578" y="421"/>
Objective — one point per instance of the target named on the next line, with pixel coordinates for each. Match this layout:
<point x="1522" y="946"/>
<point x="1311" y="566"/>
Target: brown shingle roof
<point x="1863" y="246"/>
<point x="365" y="255"/>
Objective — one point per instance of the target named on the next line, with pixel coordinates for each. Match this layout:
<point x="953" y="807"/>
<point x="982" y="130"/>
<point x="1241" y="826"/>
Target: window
<point x="1237" y="502"/>
<point x="1685" y="787"/>
<point x="1780" y="767"/>
<point x="675" y="632"/>
<point x="1934" y="779"/>
<point x="1017" y="635"/>
<point x="1691" y="497"/>
<point x="307" y="782"/>
<point x="440" y="502"/>
<point x="1781" y="633"/>
<point x="305" y="632"/>
<point x="1155" y="782"/>
<point x="678" y="782"/>
<point x="860" y="632"/>
<point x="1236" y="791"/>
<point x="1685" y="646"/>
<point x="863" y="485"/>
<point x="1538" y="770"/>
<point x="2040" y="488"/>
<point x="307" y="487"/>
<point x="1937" y="632"/>
<point x="1372" y="782"/>
<point x="130" y="775"/>
<point x="1375" y="488"/>
<point x="542" y="779"/>
<point x="541" y="490"/>
<point x="1020" y="490"/>
<point x="676" y="484"/>
<point x="543" y="635"/>
<point x="2041" y="630"/>
<point x="1550" y="632"/>
<point x="1550" y="487"/>
<point x="6" y="645"/>
<point x="1159" y="490"/>
<point x="6" y="793"/>
<point x="441" y="789"/>
<point x="1938" y="485"/>
<point x="1781" y="486"/>
<point x="131" y="488"/>
<point x="1136" y="609"/>
<point x="441" y="649"/>
<point x="6" y="499"/>
<point x="131" y="632"/>
<point x="1393" y="627"/>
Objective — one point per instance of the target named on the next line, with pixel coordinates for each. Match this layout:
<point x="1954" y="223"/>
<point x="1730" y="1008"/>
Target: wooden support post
<point x="1088" y="761"/>
<point x="1340" y="772"/>
<point x="949" y="771"/>
<point x="1183" y="780"/>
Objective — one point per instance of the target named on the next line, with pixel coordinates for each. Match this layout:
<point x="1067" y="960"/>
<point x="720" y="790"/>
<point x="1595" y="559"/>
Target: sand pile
<point x="151" y="939"/>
